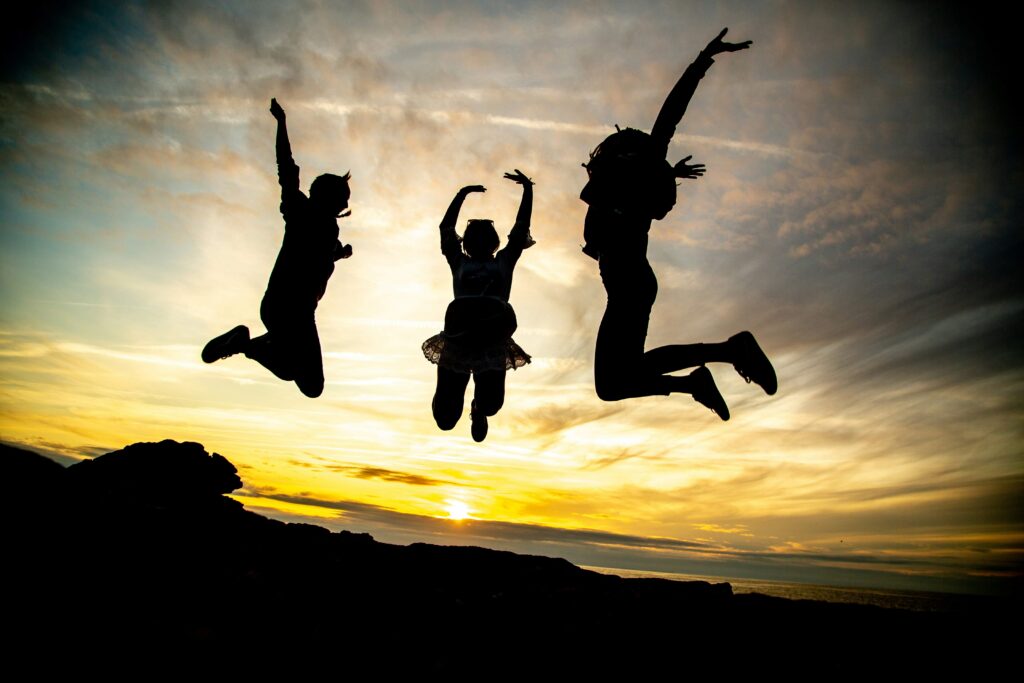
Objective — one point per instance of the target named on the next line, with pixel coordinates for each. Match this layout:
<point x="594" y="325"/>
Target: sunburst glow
<point x="457" y="509"/>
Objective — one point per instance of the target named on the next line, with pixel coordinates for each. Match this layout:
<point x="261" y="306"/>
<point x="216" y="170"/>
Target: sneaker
<point x="752" y="364"/>
<point x="478" y="424"/>
<point x="706" y="392"/>
<point x="228" y="344"/>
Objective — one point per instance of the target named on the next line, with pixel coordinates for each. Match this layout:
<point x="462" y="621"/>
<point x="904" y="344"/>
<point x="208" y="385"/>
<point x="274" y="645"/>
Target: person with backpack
<point x="631" y="183"/>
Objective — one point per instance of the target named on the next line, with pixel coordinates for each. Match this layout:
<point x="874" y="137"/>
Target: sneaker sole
<point x="771" y="384"/>
<point x="213" y="351"/>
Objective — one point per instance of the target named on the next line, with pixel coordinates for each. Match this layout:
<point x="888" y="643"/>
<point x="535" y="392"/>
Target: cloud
<point x="62" y="453"/>
<point x="717" y="529"/>
<point x="363" y="472"/>
<point x="552" y="418"/>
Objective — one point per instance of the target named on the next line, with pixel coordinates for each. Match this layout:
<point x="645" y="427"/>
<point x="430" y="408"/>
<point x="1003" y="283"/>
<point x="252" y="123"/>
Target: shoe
<point x="228" y="344"/>
<point x="752" y="364"/>
<point x="478" y="424"/>
<point x="706" y="392"/>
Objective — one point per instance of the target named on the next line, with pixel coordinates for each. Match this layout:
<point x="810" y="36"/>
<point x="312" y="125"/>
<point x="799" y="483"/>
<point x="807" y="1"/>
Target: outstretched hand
<point x="276" y="109"/>
<point x="518" y="177"/>
<point x="473" y="188"/>
<point x="716" y="46"/>
<point x="685" y="170"/>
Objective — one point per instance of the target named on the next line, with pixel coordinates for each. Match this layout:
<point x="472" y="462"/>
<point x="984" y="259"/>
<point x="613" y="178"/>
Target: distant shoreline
<point x="888" y="598"/>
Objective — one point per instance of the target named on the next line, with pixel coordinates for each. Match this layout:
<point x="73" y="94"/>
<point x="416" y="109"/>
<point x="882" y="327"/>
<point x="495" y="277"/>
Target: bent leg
<point x="290" y="349"/>
<point x="308" y="360"/>
<point x="740" y="350"/>
<point x="622" y="369"/>
<point x="650" y="376"/>
<point x="489" y="391"/>
<point x="675" y="357"/>
<point x="619" y="370"/>
<point x="269" y="352"/>
<point x="449" y="397"/>
<point x="614" y="364"/>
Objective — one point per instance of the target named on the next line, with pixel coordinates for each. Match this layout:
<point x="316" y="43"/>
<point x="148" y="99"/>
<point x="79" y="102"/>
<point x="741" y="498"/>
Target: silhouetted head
<point x="480" y="239"/>
<point x="331" y="193"/>
<point x="624" y="143"/>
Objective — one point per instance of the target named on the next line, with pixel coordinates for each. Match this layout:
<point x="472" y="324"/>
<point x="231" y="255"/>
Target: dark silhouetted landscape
<point x="140" y="551"/>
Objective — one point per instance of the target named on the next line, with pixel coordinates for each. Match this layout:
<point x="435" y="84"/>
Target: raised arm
<point x="519" y="238"/>
<point x="450" y="242"/>
<point x="287" y="171"/>
<point x="675" y="104"/>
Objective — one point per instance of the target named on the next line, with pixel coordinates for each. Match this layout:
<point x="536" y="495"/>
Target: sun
<point x="457" y="509"/>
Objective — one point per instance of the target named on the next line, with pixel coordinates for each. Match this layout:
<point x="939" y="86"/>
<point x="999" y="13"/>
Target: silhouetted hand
<point x="276" y="109"/>
<point x="342" y="251"/>
<point x="473" y="188"/>
<point x="685" y="170"/>
<point x="716" y="46"/>
<point x="518" y="177"/>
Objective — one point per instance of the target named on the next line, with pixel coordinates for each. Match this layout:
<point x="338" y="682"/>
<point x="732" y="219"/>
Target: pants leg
<point x="449" y="397"/>
<point x="308" y="359"/>
<point x="290" y="349"/>
<point x="489" y="391"/>
<point x="268" y="351"/>
<point x="620" y="370"/>
<point x="677" y="357"/>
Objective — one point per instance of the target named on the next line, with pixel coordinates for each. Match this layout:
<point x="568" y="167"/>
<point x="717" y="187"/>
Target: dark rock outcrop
<point x="165" y="473"/>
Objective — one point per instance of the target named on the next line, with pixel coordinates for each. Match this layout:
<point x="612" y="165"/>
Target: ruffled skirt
<point x="477" y="337"/>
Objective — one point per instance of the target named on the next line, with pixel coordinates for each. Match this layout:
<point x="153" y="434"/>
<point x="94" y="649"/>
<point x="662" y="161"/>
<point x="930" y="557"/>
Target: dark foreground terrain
<point x="139" y="551"/>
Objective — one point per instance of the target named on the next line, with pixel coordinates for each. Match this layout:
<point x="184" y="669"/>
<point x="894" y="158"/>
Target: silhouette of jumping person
<point x="479" y="322"/>
<point x="291" y="347"/>
<point x="631" y="183"/>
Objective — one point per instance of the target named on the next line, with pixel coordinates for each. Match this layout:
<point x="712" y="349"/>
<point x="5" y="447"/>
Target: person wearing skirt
<point x="478" y="325"/>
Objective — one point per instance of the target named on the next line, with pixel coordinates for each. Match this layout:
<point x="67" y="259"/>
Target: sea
<point x="918" y="601"/>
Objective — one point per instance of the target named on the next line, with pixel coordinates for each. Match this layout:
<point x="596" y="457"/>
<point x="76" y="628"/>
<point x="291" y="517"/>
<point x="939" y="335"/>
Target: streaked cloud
<point x="363" y="472"/>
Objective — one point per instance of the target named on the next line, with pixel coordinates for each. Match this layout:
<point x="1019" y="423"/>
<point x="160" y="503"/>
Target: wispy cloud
<point x="362" y="472"/>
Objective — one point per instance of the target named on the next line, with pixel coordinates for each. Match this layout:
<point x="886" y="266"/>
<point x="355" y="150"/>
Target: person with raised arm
<point x="479" y="323"/>
<point x="291" y="346"/>
<point x="631" y="183"/>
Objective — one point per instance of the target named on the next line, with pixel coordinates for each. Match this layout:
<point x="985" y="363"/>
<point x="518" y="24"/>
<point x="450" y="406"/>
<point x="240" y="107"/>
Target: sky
<point x="860" y="214"/>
